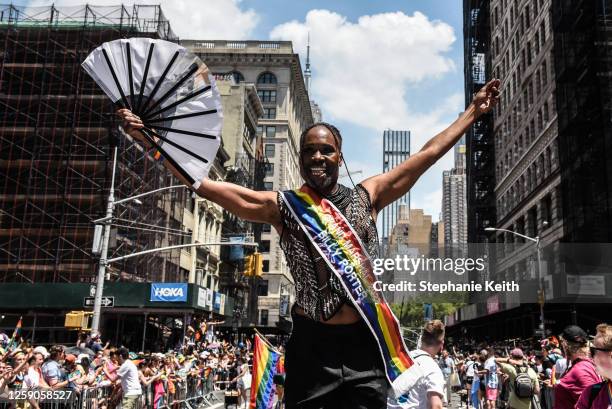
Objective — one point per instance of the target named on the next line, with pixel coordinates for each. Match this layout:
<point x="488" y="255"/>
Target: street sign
<point x="106" y="301"/>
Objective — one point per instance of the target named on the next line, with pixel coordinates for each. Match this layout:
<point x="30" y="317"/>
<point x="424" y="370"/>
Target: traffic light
<point x="249" y="265"/>
<point x="258" y="264"/>
<point x="78" y="320"/>
<point x="541" y="299"/>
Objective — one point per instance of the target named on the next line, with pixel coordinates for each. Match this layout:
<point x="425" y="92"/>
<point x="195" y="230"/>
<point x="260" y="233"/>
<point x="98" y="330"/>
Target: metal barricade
<point x="189" y="393"/>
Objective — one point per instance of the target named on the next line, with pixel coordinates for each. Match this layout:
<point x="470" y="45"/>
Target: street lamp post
<point x="536" y="240"/>
<point x="110" y="207"/>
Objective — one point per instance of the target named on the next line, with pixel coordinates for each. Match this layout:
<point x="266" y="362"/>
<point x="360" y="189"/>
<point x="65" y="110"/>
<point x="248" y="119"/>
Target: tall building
<point x="541" y="154"/>
<point x="582" y="49"/>
<point x="413" y="235"/>
<point x="396" y="149"/>
<point x="480" y="154"/>
<point x="275" y="70"/>
<point x="239" y="160"/>
<point x="454" y="210"/>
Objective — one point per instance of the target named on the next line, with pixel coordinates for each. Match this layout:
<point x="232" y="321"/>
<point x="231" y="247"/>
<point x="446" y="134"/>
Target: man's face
<point x="320" y="159"/>
<point x="602" y="359"/>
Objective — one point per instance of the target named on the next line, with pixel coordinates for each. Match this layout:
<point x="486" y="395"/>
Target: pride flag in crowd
<point x="265" y="361"/>
<point x="16" y="338"/>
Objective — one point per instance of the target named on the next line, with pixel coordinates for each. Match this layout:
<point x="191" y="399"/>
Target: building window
<point x="266" y="265"/>
<point x="269" y="186"/>
<point x="266" y="78"/>
<point x="263" y="318"/>
<point x="262" y="288"/>
<point x="260" y="130"/>
<point x="267" y="95"/>
<point x="266" y="228"/>
<point x="238" y="77"/>
<point x="270" y="150"/>
<point x="270" y="131"/>
<point x="269" y="169"/>
<point x="269" y="113"/>
<point x="264" y="246"/>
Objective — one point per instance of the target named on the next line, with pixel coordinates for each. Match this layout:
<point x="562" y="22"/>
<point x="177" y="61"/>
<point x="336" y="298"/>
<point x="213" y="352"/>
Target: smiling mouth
<point x="317" y="171"/>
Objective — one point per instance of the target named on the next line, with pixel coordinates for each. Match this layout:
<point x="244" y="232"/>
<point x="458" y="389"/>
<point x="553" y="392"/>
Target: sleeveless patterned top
<point x="318" y="290"/>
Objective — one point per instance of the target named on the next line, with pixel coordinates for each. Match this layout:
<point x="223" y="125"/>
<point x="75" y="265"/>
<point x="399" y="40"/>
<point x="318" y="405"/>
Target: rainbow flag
<point x="16" y="338"/>
<point x="339" y="245"/>
<point x="265" y="360"/>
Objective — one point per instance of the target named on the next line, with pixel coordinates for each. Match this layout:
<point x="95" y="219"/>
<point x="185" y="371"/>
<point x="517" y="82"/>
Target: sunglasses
<point x="595" y="349"/>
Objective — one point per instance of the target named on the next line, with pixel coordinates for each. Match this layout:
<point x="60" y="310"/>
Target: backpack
<point x="523" y="384"/>
<point x="595" y="389"/>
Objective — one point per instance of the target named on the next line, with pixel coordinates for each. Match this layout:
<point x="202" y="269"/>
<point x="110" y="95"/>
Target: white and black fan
<point x="172" y="92"/>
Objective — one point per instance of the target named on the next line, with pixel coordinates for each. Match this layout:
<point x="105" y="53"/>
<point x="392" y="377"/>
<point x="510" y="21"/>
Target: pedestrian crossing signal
<point x="78" y="320"/>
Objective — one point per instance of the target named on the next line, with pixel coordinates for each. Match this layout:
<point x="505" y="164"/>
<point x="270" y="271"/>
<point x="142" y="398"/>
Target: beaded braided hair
<point x="334" y="131"/>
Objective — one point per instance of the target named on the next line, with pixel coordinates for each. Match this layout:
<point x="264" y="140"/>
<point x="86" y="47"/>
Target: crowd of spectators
<point x="200" y="363"/>
<point x="570" y="371"/>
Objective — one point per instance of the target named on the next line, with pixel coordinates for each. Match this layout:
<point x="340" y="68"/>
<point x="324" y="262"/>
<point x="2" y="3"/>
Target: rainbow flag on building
<point x="265" y="360"/>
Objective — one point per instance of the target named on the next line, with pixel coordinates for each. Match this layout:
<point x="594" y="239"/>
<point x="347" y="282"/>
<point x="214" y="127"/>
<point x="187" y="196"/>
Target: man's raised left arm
<point x="386" y="188"/>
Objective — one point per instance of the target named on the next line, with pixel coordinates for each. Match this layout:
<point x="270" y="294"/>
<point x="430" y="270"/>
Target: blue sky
<point x="376" y="65"/>
<point x="363" y="148"/>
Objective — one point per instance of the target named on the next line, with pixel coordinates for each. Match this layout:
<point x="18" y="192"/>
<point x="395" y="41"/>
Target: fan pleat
<point x="184" y="123"/>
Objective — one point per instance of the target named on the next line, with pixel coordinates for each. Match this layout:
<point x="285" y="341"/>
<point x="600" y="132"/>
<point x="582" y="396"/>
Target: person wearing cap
<point x="580" y="371"/>
<point x="512" y="366"/>
<point x="76" y="374"/>
<point x="95" y="343"/>
<point x="599" y="395"/>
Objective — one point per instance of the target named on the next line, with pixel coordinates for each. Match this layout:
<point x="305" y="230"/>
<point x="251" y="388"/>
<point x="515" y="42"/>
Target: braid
<point x="334" y="131"/>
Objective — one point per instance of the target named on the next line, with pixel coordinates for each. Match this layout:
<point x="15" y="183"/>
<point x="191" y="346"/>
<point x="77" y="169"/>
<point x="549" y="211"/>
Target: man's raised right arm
<point x="251" y="205"/>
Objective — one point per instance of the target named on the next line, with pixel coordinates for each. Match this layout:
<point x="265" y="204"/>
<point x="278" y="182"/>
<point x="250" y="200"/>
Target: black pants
<point x="333" y="367"/>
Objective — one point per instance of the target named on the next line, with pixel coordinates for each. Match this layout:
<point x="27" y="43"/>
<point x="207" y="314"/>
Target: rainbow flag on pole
<point x="265" y="360"/>
<point x="16" y="338"/>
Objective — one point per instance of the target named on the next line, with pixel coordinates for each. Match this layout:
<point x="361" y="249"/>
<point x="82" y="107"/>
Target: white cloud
<point x="193" y="19"/>
<point x="364" y="69"/>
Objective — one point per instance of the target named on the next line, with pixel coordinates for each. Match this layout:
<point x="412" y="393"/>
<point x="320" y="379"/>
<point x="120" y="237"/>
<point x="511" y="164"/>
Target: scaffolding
<point x="57" y="131"/>
<point x="583" y="70"/>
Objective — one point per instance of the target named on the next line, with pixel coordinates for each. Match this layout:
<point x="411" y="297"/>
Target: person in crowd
<point x="580" y="371"/>
<point x="447" y="365"/>
<point x="34" y="378"/>
<point x="52" y="368"/>
<point x="491" y="380"/>
<point x="429" y="392"/>
<point x="129" y="379"/>
<point x="468" y="370"/>
<point x="523" y="380"/>
<point x="111" y="365"/>
<point x="243" y="383"/>
<point x="599" y="395"/>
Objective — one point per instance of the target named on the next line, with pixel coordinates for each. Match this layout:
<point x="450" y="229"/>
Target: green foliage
<point x="410" y="313"/>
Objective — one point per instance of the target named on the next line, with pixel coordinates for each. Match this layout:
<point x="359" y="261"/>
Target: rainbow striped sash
<point x="338" y="244"/>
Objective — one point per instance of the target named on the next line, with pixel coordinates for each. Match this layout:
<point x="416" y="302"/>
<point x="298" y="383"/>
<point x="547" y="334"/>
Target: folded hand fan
<point x="172" y="92"/>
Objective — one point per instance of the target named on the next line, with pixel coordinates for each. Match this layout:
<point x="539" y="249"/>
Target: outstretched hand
<point x="487" y="97"/>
